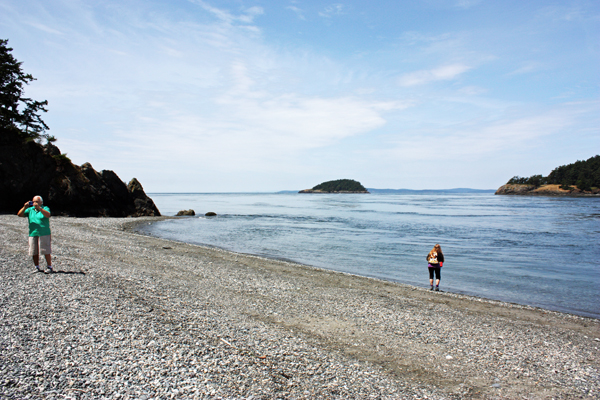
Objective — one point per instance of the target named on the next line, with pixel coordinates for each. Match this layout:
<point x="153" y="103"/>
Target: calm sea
<point x="539" y="251"/>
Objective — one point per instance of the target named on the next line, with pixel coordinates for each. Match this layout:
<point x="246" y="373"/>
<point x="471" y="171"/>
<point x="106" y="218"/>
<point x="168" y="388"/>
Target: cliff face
<point x="29" y="169"/>
<point x="545" y="190"/>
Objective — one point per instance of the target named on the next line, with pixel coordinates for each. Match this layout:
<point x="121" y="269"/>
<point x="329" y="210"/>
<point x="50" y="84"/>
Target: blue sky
<point x="263" y="95"/>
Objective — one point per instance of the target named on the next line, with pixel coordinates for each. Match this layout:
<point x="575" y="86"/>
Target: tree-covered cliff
<point x="585" y="175"/>
<point x="581" y="178"/>
<point x="29" y="168"/>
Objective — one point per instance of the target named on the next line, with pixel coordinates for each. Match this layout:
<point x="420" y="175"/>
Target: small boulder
<point x="189" y="212"/>
<point x="210" y="214"/>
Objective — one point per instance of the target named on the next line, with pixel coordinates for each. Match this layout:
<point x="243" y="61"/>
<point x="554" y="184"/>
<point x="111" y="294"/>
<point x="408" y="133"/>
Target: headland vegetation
<point x="30" y="167"/>
<point x="581" y="178"/>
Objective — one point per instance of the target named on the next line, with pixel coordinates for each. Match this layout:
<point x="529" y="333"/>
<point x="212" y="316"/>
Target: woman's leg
<point x="431" y="276"/>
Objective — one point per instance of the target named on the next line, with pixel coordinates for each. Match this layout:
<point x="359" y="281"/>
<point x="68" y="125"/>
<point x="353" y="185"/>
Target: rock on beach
<point x="136" y="317"/>
<point x="189" y="212"/>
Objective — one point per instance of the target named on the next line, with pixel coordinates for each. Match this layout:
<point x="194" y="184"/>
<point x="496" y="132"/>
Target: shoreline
<point x="515" y="189"/>
<point x="217" y="323"/>
<point x="132" y="227"/>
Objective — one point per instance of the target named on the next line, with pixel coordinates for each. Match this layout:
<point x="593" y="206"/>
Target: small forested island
<point x="337" y="186"/>
<point x="581" y="178"/>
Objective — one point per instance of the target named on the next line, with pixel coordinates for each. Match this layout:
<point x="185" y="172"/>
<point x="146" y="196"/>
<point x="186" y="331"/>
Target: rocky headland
<point x="581" y="178"/>
<point x="544" y="190"/>
<point x="29" y="168"/>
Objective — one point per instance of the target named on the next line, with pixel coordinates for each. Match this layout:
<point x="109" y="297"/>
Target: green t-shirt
<point x="38" y="224"/>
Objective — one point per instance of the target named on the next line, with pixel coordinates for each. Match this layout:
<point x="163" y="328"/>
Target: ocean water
<point x="539" y="251"/>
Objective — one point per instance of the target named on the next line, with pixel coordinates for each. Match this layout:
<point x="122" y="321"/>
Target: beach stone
<point x="123" y="318"/>
<point x="189" y="212"/>
<point x="211" y="214"/>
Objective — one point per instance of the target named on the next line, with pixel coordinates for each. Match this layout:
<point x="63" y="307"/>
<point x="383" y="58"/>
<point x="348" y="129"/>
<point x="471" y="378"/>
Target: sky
<point x="265" y="95"/>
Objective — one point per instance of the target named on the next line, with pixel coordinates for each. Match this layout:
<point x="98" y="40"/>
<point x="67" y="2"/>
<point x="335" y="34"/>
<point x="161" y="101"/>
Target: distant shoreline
<point x="512" y="189"/>
<point x="371" y="190"/>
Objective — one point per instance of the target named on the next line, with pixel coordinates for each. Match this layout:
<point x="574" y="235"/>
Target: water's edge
<point x="141" y="228"/>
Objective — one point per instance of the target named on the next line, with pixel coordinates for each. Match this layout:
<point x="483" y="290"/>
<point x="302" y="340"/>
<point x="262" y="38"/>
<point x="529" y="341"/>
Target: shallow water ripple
<point x="538" y="251"/>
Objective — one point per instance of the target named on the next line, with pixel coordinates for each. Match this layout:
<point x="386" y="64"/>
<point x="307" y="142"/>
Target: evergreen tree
<point x="585" y="175"/>
<point x="19" y="115"/>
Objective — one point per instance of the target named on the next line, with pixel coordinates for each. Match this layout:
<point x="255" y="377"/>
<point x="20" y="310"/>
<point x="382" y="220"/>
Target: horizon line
<point x="296" y="191"/>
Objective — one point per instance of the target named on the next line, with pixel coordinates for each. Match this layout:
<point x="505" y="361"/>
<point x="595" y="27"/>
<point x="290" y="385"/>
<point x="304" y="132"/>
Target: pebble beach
<point x="128" y="316"/>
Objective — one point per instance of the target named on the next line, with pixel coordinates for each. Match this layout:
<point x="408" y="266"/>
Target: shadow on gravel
<point x="55" y="272"/>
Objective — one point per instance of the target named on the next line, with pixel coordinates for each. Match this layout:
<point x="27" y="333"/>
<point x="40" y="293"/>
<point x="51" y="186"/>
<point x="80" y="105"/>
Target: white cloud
<point x="472" y="90"/>
<point x="251" y="13"/>
<point x="486" y="140"/>
<point x="45" y="28"/>
<point x="333" y="9"/>
<point x="246" y="17"/>
<point x="442" y="73"/>
<point x="251" y="126"/>
<point x="299" y="12"/>
<point x="526" y="68"/>
<point x="296" y="122"/>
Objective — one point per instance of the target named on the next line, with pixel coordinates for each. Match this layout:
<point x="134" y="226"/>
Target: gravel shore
<point x="127" y="316"/>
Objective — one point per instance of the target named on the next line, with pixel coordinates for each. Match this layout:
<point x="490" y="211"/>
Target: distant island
<point x="414" y="191"/>
<point x="581" y="178"/>
<point x="337" y="186"/>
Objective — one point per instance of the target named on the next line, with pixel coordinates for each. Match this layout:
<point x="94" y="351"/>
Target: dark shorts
<point x="434" y="270"/>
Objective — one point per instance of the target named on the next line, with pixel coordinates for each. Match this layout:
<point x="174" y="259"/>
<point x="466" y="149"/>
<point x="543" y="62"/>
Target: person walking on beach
<point x="435" y="258"/>
<point x="39" y="231"/>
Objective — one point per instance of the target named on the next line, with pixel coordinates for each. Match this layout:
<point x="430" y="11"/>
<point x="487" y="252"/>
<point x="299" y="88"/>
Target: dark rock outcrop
<point x="29" y="169"/>
<point x="210" y="214"/>
<point x="515" y="189"/>
<point x="144" y="206"/>
<point x="183" y="213"/>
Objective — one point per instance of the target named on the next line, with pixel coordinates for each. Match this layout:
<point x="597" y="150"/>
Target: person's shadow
<point x="66" y="272"/>
<point x="56" y="271"/>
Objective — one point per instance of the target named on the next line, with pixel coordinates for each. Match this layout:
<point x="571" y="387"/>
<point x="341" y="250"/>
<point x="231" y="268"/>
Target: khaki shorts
<point x="40" y="245"/>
